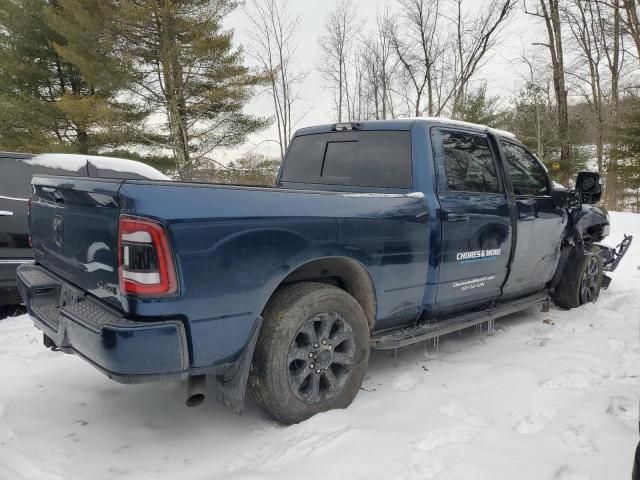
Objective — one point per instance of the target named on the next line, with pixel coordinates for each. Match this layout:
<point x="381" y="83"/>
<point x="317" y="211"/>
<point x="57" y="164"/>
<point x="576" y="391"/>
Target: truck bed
<point x="233" y="246"/>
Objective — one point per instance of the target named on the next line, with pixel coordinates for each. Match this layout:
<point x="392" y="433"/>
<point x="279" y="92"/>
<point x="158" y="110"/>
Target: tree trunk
<point x="633" y="22"/>
<point x="83" y="141"/>
<point x="551" y="16"/>
<point x="430" y="92"/>
<point x="340" y="87"/>
<point x="171" y="76"/>
<point x="614" y="66"/>
<point x="559" y="83"/>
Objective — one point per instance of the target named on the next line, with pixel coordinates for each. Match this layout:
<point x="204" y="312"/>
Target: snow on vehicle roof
<point x="77" y="161"/>
<point x="405" y="124"/>
<point x="460" y="123"/>
<point x="385" y="195"/>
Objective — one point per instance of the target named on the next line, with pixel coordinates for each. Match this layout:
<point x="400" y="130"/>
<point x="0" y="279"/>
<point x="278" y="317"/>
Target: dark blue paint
<point x="235" y="245"/>
<point x="232" y="260"/>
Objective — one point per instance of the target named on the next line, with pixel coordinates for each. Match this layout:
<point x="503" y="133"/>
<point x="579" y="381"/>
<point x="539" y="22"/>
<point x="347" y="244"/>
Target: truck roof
<point x="405" y="124"/>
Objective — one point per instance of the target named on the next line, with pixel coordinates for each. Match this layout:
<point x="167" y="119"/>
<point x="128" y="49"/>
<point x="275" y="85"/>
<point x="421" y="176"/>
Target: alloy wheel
<point x="320" y="357"/>
<point x="589" y="283"/>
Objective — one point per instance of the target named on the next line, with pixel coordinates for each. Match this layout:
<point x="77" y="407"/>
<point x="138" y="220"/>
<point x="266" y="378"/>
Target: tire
<point x="298" y="320"/>
<point x="581" y="280"/>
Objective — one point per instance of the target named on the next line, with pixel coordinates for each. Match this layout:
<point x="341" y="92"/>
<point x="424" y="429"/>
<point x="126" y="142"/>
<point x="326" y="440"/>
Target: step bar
<point x="434" y="329"/>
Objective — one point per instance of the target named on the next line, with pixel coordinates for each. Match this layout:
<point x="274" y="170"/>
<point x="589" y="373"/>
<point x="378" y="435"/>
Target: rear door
<point x="540" y="223"/>
<point x="475" y="218"/>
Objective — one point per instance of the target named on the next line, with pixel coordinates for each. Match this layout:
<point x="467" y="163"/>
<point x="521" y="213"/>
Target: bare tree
<point x="585" y="23"/>
<point x="598" y="65"/>
<point x="380" y="68"/>
<point x="355" y="87"/>
<point x="340" y="29"/>
<point x="538" y="91"/>
<point x="418" y="46"/>
<point x="475" y="35"/>
<point x="613" y="46"/>
<point x="632" y="21"/>
<point x="549" y="11"/>
<point x="272" y="36"/>
<point x="410" y="63"/>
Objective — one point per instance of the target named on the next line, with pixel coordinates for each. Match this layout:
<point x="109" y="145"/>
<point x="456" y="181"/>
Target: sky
<point x="503" y="71"/>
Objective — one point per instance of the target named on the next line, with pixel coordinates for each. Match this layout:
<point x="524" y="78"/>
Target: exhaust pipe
<point x="196" y="388"/>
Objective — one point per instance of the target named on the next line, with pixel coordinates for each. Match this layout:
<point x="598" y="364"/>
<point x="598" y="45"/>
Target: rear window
<point x="362" y="159"/>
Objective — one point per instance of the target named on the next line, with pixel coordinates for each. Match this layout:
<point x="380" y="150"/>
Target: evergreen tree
<point x="626" y="135"/>
<point x="31" y="77"/>
<point x="49" y="103"/>
<point x="533" y="119"/>
<point x="478" y="108"/>
<point x="184" y="66"/>
<point x="532" y="116"/>
<point x="251" y="169"/>
<point x="102" y="107"/>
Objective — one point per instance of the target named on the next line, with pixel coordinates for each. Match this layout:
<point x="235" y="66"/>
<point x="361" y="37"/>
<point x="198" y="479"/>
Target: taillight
<point x="145" y="263"/>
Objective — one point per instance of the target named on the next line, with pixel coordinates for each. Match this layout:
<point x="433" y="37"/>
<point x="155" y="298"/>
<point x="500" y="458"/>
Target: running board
<point x="426" y="331"/>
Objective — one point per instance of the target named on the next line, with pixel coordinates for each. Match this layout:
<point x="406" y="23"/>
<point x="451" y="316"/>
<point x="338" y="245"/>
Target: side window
<point x="527" y="175"/>
<point x="468" y="163"/>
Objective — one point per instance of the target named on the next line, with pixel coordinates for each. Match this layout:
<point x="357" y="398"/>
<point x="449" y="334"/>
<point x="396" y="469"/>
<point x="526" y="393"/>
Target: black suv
<point x="15" y="189"/>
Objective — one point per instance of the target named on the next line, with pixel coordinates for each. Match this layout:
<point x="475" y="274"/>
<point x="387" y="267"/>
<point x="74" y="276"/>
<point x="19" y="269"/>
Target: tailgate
<point x="74" y="231"/>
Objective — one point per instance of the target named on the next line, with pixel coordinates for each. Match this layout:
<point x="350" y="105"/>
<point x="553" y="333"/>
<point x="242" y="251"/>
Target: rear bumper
<point x="125" y="350"/>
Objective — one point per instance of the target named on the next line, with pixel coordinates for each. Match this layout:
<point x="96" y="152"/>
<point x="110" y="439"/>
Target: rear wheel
<point x="581" y="280"/>
<point x="312" y="353"/>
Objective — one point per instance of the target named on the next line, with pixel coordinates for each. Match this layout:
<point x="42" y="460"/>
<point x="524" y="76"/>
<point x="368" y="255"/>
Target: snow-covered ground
<point x="549" y="396"/>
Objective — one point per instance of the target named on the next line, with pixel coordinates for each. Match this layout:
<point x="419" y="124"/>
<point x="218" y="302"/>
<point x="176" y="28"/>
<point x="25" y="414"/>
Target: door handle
<point x="6" y="213"/>
<point x="456" y="217"/>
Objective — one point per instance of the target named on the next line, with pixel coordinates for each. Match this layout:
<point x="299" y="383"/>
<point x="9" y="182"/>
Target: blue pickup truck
<point x="377" y="235"/>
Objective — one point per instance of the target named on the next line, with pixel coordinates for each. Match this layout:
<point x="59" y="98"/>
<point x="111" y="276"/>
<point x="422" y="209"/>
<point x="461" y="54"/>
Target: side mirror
<point x="561" y="197"/>
<point x="589" y="187"/>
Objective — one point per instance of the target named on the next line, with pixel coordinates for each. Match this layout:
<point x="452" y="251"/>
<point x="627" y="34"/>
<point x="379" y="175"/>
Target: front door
<point x="475" y="218"/>
<point x="540" y="223"/>
<point x="14" y="197"/>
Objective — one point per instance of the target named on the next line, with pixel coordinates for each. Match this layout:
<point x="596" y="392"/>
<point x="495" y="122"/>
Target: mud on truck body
<point x="377" y="235"/>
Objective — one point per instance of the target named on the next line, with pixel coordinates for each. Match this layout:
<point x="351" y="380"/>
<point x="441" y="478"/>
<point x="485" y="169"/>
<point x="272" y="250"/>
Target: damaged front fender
<point x="591" y="222"/>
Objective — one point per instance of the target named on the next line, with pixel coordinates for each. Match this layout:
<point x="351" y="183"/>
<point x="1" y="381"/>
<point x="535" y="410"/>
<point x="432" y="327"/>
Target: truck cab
<point x="493" y="224"/>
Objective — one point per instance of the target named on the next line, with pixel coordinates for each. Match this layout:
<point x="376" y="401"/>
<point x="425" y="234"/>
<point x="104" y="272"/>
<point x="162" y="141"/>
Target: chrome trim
<point x="14" y="198"/>
<point x="144" y="278"/>
<point x="6" y="213"/>
<point x="139" y="236"/>
<point x="17" y="261"/>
